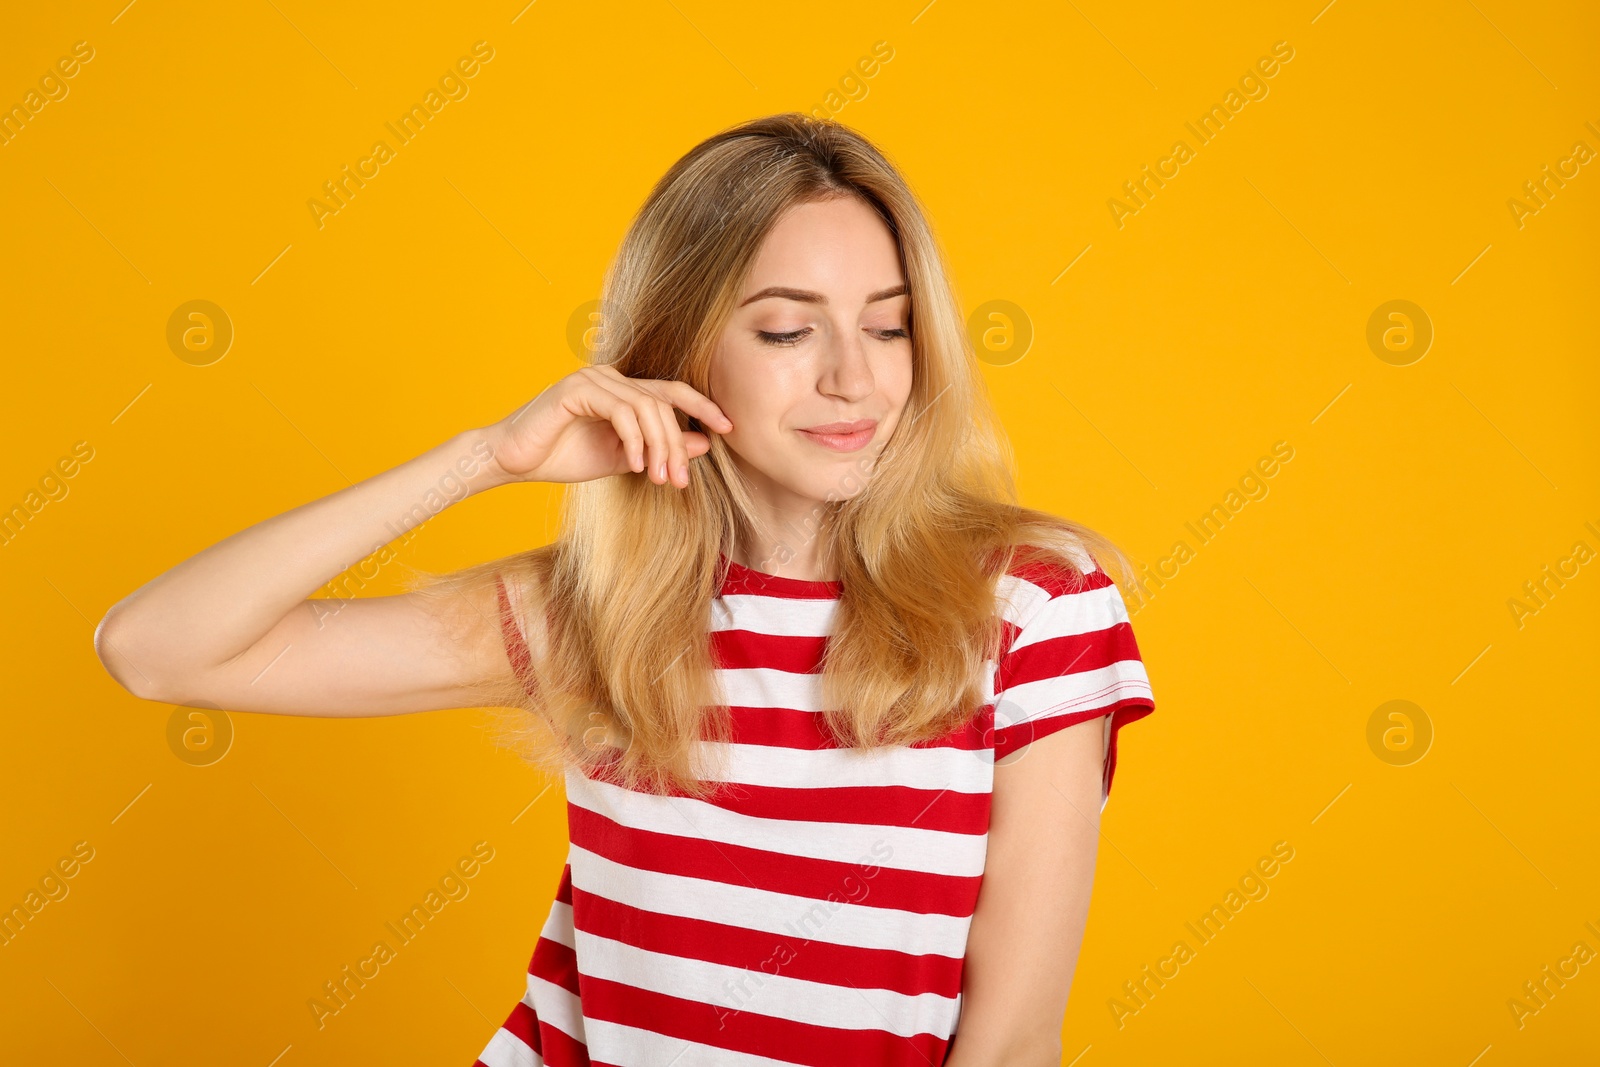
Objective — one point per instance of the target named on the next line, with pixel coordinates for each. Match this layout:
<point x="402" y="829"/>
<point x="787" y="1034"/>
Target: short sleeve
<point x="1071" y="657"/>
<point x="513" y="636"/>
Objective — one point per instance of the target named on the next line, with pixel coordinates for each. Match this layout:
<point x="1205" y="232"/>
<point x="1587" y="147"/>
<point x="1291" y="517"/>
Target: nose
<point x="846" y="371"/>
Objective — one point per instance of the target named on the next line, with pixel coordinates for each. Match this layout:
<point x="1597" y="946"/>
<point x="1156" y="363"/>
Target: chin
<point x="842" y="478"/>
<point x="844" y="482"/>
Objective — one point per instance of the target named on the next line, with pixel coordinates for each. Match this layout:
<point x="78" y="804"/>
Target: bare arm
<point x="1023" y="945"/>
<point x="233" y="625"/>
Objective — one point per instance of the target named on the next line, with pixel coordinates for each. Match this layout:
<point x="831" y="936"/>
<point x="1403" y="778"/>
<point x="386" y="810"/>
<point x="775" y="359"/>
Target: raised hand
<point x="595" y="423"/>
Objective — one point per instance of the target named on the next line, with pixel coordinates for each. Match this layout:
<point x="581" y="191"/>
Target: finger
<point x="590" y="398"/>
<point x="653" y="453"/>
<point x="666" y="424"/>
<point x="678" y="456"/>
<point x="625" y="422"/>
<point x="648" y="409"/>
<point x="695" y="444"/>
<point x="684" y="396"/>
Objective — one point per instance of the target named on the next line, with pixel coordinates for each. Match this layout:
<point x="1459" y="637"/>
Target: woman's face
<point x="814" y="366"/>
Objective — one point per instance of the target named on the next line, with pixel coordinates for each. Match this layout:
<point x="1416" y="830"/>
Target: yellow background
<point x="1226" y="315"/>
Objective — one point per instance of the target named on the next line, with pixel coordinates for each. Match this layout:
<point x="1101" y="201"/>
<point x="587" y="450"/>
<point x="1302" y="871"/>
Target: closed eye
<point x="782" y="340"/>
<point x="794" y="337"/>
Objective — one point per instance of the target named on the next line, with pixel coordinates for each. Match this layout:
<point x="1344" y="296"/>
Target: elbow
<point x="1017" y="1048"/>
<point x="115" y="645"/>
<point x="1042" y="1053"/>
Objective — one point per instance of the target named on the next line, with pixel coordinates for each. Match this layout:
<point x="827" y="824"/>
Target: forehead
<point x="841" y="248"/>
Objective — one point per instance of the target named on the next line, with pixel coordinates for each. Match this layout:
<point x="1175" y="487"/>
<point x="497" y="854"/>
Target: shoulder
<point x="1041" y="574"/>
<point x="1068" y="654"/>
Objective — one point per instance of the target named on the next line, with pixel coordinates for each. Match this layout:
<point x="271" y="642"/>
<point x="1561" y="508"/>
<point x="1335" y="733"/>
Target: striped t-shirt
<point x="815" y="911"/>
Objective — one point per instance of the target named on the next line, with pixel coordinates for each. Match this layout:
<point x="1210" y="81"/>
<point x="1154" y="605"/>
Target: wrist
<point x="470" y="459"/>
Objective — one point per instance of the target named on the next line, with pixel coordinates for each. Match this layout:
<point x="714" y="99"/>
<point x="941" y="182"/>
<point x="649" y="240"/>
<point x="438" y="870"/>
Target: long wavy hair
<point x="618" y="608"/>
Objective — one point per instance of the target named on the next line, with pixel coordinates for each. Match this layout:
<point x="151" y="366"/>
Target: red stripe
<point x="777" y="872"/>
<point x="564" y="888"/>
<point x="563" y="1050"/>
<point x="747" y="650"/>
<point x="793" y="954"/>
<point x="750" y="1032"/>
<point x="1129" y="709"/>
<point x="1068" y="654"/>
<point x="799" y="952"/>
<point x="556" y="964"/>
<point x="1057" y="579"/>
<point x="786" y="728"/>
<point x="523" y="1024"/>
<point x="779" y="728"/>
<point x="558" y="1048"/>
<point x="741" y="580"/>
<point x="925" y="809"/>
<point x="1135" y="710"/>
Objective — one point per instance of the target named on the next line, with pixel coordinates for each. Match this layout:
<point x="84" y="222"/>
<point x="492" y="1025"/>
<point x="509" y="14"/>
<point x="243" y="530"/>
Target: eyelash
<point x="788" y="340"/>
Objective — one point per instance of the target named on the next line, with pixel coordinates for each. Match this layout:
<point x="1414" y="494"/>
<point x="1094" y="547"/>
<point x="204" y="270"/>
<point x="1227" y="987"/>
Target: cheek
<point x="750" y="399"/>
<point x="739" y="399"/>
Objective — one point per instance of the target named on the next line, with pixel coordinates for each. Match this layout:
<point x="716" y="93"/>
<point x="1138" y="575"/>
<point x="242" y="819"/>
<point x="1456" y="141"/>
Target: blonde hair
<point x="625" y="687"/>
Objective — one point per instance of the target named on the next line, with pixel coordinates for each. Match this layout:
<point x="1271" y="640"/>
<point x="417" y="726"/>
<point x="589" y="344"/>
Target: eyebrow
<point x="808" y="297"/>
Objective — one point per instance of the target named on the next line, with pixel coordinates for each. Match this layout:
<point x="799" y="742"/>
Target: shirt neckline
<point x="746" y="580"/>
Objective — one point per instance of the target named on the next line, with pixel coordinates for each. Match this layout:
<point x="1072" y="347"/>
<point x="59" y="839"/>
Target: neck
<point x="787" y="540"/>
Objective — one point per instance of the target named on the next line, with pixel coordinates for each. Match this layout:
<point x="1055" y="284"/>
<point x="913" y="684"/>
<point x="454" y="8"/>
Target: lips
<point x="842" y="436"/>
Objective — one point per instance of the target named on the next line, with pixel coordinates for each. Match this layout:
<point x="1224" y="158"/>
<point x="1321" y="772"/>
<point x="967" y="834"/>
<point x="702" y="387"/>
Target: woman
<point x="788" y="652"/>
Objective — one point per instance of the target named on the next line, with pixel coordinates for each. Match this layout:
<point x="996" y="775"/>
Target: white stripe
<point x="767" y="687"/>
<point x="556" y="1006"/>
<point x="791" y="691"/>
<point x="1071" y="694"/>
<point x="558" y="924"/>
<point x="773" y="616"/>
<point x="617" y="1043"/>
<point x="1073" y="613"/>
<point x="506" y="1049"/>
<point x="1016" y="599"/>
<point x="906" y="848"/>
<point x="957" y="769"/>
<point x="732" y="989"/>
<point x="837" y="923"/>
